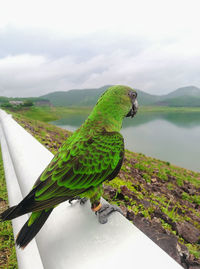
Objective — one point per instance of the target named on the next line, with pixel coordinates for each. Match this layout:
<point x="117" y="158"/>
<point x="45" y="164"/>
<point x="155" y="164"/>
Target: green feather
<point x="33" y="217"/>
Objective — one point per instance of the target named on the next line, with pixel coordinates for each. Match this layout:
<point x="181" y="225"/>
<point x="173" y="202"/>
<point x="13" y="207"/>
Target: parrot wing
<point x="80" y="166"/>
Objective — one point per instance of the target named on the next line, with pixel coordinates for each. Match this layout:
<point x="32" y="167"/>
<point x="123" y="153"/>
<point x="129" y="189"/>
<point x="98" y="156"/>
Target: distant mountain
<point x="182" y="101"/>
<point x="86" y="97"/>
<point x="89" y="97"/>
<point x="191" y="91"/>
<point x="186" y="96"/>
<point x="182" y="97"/>
<point x="146" y="99"/>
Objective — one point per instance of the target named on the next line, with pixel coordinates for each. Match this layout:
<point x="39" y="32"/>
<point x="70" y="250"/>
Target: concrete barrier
<point x="72" y="236"/>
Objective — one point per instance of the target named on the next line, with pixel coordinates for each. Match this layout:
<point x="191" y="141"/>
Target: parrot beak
<point x="134" y="108"/>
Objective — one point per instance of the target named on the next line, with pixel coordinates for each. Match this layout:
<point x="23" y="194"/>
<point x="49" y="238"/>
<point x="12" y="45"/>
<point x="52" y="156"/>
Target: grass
<point x="47" y="114"/>
<point x="7" y="245"/>
<point x="157" y="182"/>
<point x="191" y="198"/>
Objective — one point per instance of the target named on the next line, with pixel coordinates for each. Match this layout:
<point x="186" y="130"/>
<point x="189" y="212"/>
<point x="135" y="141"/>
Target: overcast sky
<point x="49" y="45"/>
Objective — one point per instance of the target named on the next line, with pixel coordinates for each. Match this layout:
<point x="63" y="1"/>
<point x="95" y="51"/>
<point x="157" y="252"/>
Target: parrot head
<point x="113" y="105"/>
<point x="120" y="100"/>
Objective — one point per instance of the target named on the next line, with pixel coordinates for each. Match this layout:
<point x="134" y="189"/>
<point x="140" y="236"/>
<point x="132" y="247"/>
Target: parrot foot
<point x="82" y="200"/>
<point x="105" y="211"/>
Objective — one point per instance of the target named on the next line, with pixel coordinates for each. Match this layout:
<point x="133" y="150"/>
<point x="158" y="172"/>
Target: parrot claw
<point x="82" y="200"/>
<point x="72" y="199"/>
<point x="105" y="211"/>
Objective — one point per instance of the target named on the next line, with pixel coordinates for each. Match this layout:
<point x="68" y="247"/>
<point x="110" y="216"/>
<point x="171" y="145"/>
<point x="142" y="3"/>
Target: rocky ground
<point x="158" y="209"/>
<point x="162" y="200"/>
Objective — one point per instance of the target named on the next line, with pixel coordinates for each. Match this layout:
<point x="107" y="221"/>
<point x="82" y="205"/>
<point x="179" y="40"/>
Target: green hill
<point x="86" y="97"/>
<point x="190" y="91"/>
<point x="182" y="101"/>
<point x="182" y="97"/>
<point x="146" y="99"/>
<point x="186" y="96"/>
<point x="89" y="97"/>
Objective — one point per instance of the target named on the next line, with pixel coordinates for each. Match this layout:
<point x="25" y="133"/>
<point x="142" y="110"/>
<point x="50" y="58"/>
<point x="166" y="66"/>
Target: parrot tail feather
<point x="7" y="213"/>
<point x="18" y="210"/>
<point x="32" y="227"/>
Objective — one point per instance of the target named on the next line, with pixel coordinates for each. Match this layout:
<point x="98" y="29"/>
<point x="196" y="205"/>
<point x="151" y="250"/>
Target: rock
<point x="125" y="191"/>
<point x="159" y="214"/>
<point x="183" y="250"/>
<point x="153" y="180"/>
<point x="189" y="188"/>
<point x="130" y="215"/>
<point x="190" y="233"/>
<point x="154" y="230"/>
<point x="128" y="168"/>
<point x="122" y="176"/>
<point x="169" y="244"/>
<point x="155" y="220"/>
<point x="145" y="203"/>
<point x="124" y="210"/>
<point x="109" y="191"/>
<point x="177" y="192"/>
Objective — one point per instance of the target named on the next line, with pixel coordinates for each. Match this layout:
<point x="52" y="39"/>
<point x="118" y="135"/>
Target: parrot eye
<point x="133" y="95"/>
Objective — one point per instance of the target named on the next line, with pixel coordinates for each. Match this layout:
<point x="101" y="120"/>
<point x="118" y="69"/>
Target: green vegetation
<point x="4" y="100"/>
<point x="183" y="97"/>
<point x="7" y="245"/>
<point x="191" y="198"/>
<point x="86" y="97"/>
<point x="182" y="101"/>
<point x="49" y="135"/>
<point x="194" y="250"/>
<point x="47" y="113"/>
<point x="40" y="113"/>
<point x="17" y="106"/>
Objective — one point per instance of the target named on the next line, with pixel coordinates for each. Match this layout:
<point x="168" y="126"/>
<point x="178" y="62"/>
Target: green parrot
<point x="92" y="154"/>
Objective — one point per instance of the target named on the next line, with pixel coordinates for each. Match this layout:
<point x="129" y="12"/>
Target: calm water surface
<point x="173" y="137"/>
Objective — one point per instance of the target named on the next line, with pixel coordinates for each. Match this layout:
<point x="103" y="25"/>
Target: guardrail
<point x="72" y="236"/>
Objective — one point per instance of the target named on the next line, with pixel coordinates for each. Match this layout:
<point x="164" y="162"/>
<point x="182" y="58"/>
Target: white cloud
<point x="155" y="70"/>
<point x="24" y="74"/>
<point x="59" y="45"/>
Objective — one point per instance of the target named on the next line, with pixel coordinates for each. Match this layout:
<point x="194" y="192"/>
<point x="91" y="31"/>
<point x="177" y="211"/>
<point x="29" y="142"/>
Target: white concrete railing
<point x="72" y="236"/>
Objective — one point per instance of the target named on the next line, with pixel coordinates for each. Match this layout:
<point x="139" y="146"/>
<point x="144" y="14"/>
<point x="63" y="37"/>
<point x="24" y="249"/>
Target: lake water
<point x="172" y="137"/>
